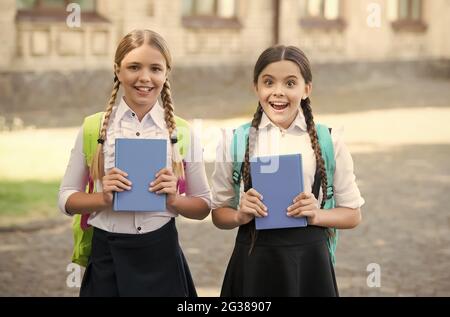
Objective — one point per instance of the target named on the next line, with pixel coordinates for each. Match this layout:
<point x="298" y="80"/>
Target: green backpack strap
<point x="91" y="132"/>
<point x="327" y="148"/>
<point x="82" y="235"/>
<point x="238" y="146"/>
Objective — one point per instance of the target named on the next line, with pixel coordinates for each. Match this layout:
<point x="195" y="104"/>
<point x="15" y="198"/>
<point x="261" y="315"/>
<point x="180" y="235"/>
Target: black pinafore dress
<point x="288" y="262"/>
<point x="149" y="264"/>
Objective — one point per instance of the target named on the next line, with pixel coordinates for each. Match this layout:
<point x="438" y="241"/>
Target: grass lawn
<point x="26" y="200"/>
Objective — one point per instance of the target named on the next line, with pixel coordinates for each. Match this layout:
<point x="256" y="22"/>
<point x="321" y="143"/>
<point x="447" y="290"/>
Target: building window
<point x="217" y="8"/>
<point x="325" y="9"/>
<point x="209" y="14"/>
<point x="324" y="14"/>
<point x="87" y="5"/>
<point x="55" y="10"/>
<point x="409" y="9"/>
<point x="408" y="15"/>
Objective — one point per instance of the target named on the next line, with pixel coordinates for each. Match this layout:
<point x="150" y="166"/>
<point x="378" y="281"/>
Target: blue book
<point x="279" y="179"/>
<point x="141" y="159"/>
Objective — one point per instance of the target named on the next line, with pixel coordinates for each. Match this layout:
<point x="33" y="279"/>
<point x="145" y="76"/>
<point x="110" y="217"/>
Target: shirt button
<point x="138" y="134"/>
<point x="139" y="228"/>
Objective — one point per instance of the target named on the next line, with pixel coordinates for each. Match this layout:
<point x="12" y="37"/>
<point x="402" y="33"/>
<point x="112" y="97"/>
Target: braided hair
<point x="271" y="55"/>
<point x="129" y="42"/>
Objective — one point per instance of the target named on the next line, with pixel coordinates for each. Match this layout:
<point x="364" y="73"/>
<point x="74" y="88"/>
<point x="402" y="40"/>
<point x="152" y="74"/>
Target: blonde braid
<point x="177" y="161"/>
<point x="97" y="166"/>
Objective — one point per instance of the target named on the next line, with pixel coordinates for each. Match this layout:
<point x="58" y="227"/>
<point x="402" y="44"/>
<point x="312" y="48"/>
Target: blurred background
<point x="381" y="70"/>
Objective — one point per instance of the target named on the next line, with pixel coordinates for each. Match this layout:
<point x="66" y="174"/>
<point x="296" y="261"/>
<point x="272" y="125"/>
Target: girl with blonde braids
<point x="291" y="261"/>
<point x="136" y="253"/>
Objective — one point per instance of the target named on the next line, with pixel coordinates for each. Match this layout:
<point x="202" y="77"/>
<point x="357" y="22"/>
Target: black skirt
<point x="283" y="262"/>
<point x="150" y="264"/>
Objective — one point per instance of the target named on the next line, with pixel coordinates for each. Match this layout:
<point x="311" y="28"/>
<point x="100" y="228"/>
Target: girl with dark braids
<point x="136" y="253"/>
<point x="291" y="261"/>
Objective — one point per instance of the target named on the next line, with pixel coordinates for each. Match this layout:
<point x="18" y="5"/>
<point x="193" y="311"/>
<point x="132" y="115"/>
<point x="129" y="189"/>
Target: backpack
<point x="238" y="146"/>
<point x="82" y="232"/>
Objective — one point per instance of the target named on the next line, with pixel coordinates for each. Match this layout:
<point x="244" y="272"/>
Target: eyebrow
<point x="137" y="63"/>
<point x="287" y="77"/>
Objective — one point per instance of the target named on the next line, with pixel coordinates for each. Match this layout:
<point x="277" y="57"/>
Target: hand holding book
<point x="165" y="183"/>
<point x="114" y="181"/>
<point x="305" y="205"/>
<point x="251" y="206"/>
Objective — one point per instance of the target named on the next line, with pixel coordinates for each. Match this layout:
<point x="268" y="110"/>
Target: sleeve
<point x="196" y="180"/>
<point x="76" y="176"/>
<point x="222" y="181"/>
<point x="346" y="190"/>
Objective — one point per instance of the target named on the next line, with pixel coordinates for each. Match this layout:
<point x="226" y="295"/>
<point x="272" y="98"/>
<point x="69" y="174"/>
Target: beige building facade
<point x="57" y="35"/>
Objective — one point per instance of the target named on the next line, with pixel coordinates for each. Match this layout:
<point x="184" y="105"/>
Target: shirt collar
<point x="299" y="121"/>
<point x="156" y="113"/>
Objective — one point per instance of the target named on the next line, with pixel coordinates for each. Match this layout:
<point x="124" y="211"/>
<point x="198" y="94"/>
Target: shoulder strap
<point x="238" y="146"/>
<point x="326" y="146"/>
<point x="82" y="232"/>
<point x="184" y="135"/>
<point x="91" y="131"/>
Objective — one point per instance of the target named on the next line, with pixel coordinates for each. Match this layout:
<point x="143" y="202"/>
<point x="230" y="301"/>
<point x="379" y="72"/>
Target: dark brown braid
<point x="307" y="112"/>
<point x="249" y="149"/>
<point x="310" y="126"/>
<point x="251" y="142"/>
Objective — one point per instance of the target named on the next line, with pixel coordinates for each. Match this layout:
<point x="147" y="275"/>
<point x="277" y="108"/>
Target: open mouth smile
<point x="279" y="106"/>
<point x="143" y="90"/>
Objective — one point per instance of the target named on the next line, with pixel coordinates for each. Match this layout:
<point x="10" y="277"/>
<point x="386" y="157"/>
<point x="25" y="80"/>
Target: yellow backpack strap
<point x="91" y="132"/>
<point x="183" y="135"/>
<point x="82" y="233"/>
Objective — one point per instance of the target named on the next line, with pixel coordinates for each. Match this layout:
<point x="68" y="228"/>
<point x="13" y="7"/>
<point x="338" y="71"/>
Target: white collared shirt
<point x="271" y="140"/>
<point x="125" y="124"/>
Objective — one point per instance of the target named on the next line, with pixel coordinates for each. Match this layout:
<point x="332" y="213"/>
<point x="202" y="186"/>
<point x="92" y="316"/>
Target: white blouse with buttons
<point x="271" y="140"/>
<point x="125" y="124"/>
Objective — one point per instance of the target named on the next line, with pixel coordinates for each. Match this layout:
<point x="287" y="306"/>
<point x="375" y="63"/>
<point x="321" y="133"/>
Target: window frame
<point x="321" y="22"/>
<point x="210" y="21"/>
<point x="408" y="23"/>
<point x="40" y="13"/>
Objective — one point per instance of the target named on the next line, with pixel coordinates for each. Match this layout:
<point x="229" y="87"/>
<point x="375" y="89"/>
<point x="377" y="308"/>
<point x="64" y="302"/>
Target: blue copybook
<point x="279" y="179"/>
<point x="141" y="159"/>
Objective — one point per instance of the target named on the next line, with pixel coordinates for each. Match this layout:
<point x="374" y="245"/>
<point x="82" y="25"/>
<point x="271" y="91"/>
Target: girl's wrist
<point x="237" y="219"/>
<point x="320" y="217"/>
<point x="172" y="203"/>
<point x="104" y="201"/>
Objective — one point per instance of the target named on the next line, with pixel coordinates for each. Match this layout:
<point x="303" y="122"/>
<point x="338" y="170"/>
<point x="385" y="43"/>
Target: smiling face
<point x="280" y="89"/>
<point x="142" y="73"/>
